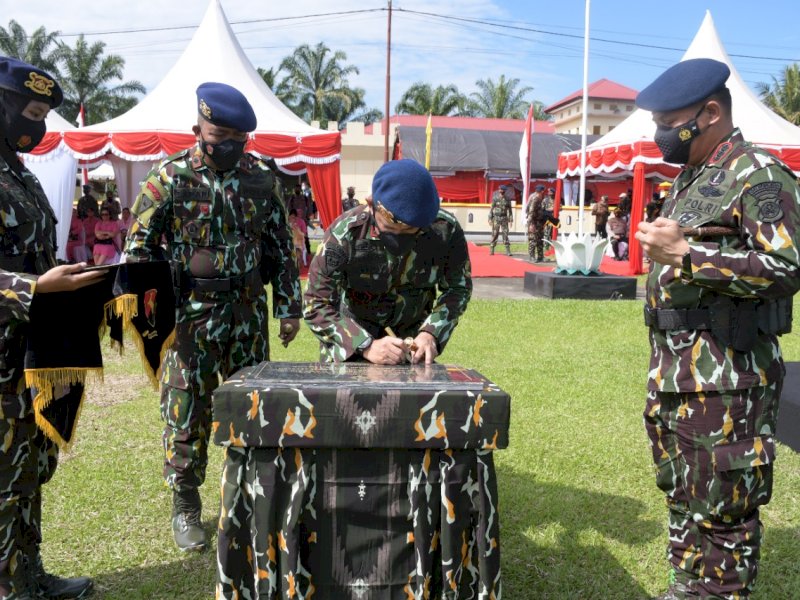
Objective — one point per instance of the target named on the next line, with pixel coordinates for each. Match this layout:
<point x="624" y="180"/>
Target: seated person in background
<point x="299" y="232"/>
<point x="125" y="222"/>
<point x="76" y="241"/>
<point x="617" y="229"/>
<point x="89" y="223"/>
<point x="396" y="266"/>
<point x="107" y="240"/>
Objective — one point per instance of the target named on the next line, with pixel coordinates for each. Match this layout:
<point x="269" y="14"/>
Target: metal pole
<point x="584" y="125"/>
<point x="388" y="81"/>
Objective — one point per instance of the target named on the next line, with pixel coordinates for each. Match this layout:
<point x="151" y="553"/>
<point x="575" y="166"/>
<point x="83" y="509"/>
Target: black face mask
<point x="22" y="134"/>
<point x="676" y="142"/>
<point x="225" y="154"/>
<point x="396" y="244"/>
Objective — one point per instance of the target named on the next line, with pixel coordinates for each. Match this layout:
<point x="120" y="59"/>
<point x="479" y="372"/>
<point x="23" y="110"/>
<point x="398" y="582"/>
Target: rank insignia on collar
<point x="40" y="84"/>
<point x="721" y="152"/>
<point x="769" y="204"/>
<point x="205" y="109"/>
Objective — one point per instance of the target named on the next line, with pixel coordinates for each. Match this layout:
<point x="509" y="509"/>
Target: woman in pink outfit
<point x="107" y="239"/>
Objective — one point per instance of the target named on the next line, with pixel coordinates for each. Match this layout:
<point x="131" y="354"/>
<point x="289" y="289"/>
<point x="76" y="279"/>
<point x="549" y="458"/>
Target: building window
<point x="613" y="108"/>
<point x="596" y="130"/>
<point x="629" y="108"/>
<point x="610" y="127"/>
<point x="597" y="106"/>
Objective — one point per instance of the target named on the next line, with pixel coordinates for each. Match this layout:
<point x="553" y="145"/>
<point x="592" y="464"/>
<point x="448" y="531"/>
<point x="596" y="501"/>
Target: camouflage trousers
<point x="714" y="454"/>
<point x="216" y="334"/>
<point x="536" y="241"/>
<point x="499" y="227"/>
<point x="27" y="461"/>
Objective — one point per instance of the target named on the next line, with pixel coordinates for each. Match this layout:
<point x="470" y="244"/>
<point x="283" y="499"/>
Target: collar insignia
<point x="721" y="152"/>
<point x="40" y="84"/>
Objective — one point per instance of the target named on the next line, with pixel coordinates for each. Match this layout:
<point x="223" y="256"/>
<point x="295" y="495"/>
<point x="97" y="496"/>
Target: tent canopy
<point x="161" y="123"/>
<point x="631" y="142"/>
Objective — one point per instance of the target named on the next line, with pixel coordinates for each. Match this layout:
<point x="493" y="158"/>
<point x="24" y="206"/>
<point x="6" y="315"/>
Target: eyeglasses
<point x="387" y="214"/>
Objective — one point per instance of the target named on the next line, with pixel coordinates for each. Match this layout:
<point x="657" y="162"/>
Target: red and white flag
<point x="81" y="121"/>
<point x="525" y="159"/>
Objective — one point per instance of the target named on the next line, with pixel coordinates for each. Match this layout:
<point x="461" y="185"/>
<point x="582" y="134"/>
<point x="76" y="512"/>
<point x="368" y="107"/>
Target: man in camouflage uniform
<point x="500" y="216"/>
<point x="373" y="282"/>
<point x="27" y="267"/>
<point x="86" y="202"/>
<point x="724" y="268"/>
<point x="535" y="221"/>
<point x="226" y="231"/>
<point x="349" y="202"/>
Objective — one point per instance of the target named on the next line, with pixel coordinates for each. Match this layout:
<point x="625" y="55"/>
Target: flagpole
<point x="428" y="138"/>
<point x="388" y="82"/>
<point x="81" y="120"/>
<point x="584" y="120"/>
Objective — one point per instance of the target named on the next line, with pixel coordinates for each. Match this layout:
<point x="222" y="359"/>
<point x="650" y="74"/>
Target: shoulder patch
<point x="769" y="204"/>
<point x="721" y="152"/>
<point x="335" y="258"/>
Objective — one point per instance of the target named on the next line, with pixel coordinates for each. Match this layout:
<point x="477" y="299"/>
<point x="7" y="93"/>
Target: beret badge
<point x="40" y="84"/>
<point x="205" y="109"/>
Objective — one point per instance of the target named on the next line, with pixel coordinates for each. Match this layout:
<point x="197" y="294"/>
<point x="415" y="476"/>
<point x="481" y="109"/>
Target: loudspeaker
<point x="789" y="413"/>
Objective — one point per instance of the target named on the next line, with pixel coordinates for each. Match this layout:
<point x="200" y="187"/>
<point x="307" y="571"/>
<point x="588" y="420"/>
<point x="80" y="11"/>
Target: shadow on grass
<point x="556" y="540"/>
<point x="190" y="576"/>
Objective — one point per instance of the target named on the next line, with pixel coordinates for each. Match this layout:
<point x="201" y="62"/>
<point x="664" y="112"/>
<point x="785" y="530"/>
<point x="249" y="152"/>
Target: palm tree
<point x="281" y="89"/>
<point x="500" y="101"/>
<point x="357" y="110"/>
<point x="36" y="49"/>
<point x="422" y="99"/>
<point x="318" y="81"/>
<point x="783" y="97"/>
<point x="89" y="79"/>
<point x="538" y="112"/>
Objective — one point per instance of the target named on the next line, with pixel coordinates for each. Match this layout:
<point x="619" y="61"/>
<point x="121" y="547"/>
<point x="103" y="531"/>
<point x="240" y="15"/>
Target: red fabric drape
<point x="464" y="186"/>
<point x="636" y="216"/>
<point x="325" y="184"/>
<point x="557" y="203"/>
<point x="49" y="142"/>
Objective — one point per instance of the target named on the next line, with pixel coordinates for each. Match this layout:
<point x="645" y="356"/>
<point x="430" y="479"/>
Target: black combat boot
<point x="186" y="526"/>
<point x="491" y="250"/>
<point x="51" y="587"/>
<point x="508" y="250"/>
<point x="676" y="591"/>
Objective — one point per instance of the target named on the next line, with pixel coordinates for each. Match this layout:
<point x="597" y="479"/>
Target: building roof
<point x="602" y="88"/>
<point x="479" y="123"/>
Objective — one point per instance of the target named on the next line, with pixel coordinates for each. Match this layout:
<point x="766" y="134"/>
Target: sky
<point x="440" y="41"/>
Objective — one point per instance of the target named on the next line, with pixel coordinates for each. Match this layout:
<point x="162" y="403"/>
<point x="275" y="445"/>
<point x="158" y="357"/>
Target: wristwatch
<point x="364" y="345"/>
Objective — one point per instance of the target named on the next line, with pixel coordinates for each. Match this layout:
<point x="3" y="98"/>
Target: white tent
<point x="161" y="123"/>
<point x="631" y="142"/>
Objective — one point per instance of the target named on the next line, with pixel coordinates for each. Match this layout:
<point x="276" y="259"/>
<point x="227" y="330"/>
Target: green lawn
<point x="581" y="517"/>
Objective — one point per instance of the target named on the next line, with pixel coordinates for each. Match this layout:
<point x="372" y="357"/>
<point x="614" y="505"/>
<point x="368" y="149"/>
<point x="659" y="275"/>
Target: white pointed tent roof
<point x="758" y="123"/>
<point x="172" y="105"/>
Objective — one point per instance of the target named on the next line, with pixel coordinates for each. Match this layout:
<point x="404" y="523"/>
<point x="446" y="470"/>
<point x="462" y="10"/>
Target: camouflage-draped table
<point x="358" y="482"/>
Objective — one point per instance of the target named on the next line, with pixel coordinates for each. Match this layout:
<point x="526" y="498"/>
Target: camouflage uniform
<point x="348" y="203"/>
<point x="535" y="221"/>
<point x="500" y="216"/>
<point x="356" y="288"/>
<point x="28" y="458"/>
<point x="713" y="396"/>
<point x="220" y="232"/>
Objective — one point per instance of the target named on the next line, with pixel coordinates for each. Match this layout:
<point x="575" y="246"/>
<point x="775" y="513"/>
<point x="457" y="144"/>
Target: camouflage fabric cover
<point x="356" y="288"/>
<point x="28" y="459"/>
<point x="319" y="504"/>
<point x="711" y="410"/>
<point x="747" y="188"/>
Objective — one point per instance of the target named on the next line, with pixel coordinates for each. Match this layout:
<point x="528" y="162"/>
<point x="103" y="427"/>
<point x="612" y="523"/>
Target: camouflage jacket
<point x="535" y="209"/>
<point x="28" y="234"/>
<point x="500" y="212"/>
<point x="743" y="187"/>
<point x="217" y="226"/>
<point x="356" y="288"/>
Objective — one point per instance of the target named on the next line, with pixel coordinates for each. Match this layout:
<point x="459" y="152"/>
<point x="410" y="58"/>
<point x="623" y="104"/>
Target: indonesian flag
<point x="525" y="159"/>
<point x="81" y="121"/>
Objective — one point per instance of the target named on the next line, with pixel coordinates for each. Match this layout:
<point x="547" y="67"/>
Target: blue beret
<point x="539" y="188"/>
<point x="225" y="106"/>
<point x="684" y="84"/>
<point x="29" y="81"/>
<point x="406" y="189"/>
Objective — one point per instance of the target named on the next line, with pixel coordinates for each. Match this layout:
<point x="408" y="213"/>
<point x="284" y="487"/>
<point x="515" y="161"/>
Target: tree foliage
<point x="40" y="48"/>
<point x="422" y="99"/>
<point x="501" y="100"/>
<point x="783" y="96"/>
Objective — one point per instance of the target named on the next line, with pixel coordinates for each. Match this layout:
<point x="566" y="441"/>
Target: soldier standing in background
<point x="87" y="201"/>
<point x="500" y="216"/>
<point x="717" y="298"/>
<point x="27" y="267"/>
<point x="420" y="280"/>
<point x="349" y="202"/>
<point x="535" y="219"/>
<point x="226" y="230"/>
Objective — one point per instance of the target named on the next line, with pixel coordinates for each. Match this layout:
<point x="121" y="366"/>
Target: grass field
<point x="581" y="517"/>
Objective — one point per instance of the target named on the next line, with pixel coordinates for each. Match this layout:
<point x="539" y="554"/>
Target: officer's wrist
<point x="364" y="346"/>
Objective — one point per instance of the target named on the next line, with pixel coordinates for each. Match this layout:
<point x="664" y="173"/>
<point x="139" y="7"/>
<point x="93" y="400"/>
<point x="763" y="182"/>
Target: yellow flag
<point x="428" y="136"/>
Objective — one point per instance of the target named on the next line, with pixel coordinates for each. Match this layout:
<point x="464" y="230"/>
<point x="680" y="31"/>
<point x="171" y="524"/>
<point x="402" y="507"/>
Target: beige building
<point x="609" y="104"/>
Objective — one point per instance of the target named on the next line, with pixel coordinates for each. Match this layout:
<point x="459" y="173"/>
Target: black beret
<point x="29" y="81"/>
<point x="225" y="106"/>
<point x="684" y="84"/>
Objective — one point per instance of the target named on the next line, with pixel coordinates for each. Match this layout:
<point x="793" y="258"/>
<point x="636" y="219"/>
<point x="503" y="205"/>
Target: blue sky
<point x="526" y="39"/>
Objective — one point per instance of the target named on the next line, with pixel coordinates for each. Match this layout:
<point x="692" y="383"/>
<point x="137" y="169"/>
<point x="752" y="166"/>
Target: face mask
<point x="25" y="134"/>
<point x="676" y="142"/>
<point x="226" y="154"/>
<point x="396" y="244"/>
